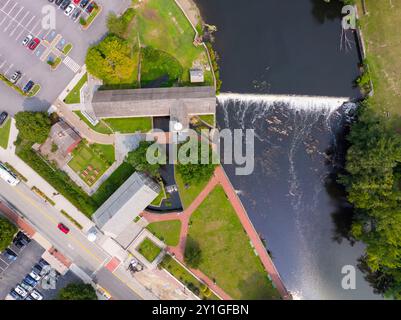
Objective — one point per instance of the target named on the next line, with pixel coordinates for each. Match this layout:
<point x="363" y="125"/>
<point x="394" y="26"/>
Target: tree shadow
<point x="326" y="11"/>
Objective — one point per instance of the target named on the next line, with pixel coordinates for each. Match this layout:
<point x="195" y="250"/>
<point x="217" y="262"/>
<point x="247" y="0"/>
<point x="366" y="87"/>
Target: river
<point x="292" y="47"/>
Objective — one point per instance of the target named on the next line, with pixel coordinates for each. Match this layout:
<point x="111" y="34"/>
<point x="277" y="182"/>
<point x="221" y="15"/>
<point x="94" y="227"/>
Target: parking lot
<point x="19" y="18"/>
<point x="12" y="272"/>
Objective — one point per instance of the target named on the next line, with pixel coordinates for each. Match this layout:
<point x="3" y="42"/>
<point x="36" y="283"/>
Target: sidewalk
<point x="35" y="180"/>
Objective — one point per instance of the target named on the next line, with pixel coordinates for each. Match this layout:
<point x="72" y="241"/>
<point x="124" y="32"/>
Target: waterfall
<point x="292" y="163"/>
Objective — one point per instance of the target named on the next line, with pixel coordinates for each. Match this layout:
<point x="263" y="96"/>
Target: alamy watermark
<point x="349" y="20"/>
<point x="206" y="148"/>
<point x="348" y="281"/>
<point x="49" y="17"/>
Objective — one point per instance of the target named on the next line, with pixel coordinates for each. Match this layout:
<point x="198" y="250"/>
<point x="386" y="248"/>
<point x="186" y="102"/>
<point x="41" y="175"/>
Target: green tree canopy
<point x="193" y="253"/>
<point x="7" y="232"/>
<point x="111" y="60"/>
<point x="373" y="184"/>
<point x="137" y="158"/>
<point x="33" y="126"/>
<point x="195" y="171"/>
<point x="77" y="291"/>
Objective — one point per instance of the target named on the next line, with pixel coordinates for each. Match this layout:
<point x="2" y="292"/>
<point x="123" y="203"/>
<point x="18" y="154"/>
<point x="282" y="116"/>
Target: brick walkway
<point x="220" y="177"/>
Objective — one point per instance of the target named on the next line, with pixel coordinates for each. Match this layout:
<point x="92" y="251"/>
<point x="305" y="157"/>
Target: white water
<point x="286" y="123"/>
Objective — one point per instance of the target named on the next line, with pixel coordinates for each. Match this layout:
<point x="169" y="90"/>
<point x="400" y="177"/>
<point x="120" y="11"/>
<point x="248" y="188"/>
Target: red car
<point x="63" y="228"/>
<point x="34" y="43"/>
<point x="77" y="1"/>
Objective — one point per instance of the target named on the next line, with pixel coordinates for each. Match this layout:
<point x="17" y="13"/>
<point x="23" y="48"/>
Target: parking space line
<point x="12" y="8"/>
<point x="5" y="17"/>
<point x="35" y="26"/>
<point x="19" y="35"/>
<point x="5" y="5"/>
<point x="26" y="26"/>
<point x="22" y="8"/>
<point x="6" y="28"/>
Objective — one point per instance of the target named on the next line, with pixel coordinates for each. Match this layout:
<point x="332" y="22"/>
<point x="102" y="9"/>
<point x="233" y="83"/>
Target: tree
<point x="137" y="158"/>
<point x="77" y="291"/>
<point x="33" y="126"/>
<point x="193" y="253"/>
<point x="194" y="172"/>
<point x="111" y="60"/>
<point x="119" y="25"/>
<point x="373" y="185"/>
<point x="7" y="232"/>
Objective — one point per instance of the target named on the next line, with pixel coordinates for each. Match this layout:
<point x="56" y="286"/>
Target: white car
<point x="68" y="11"/>
<point x="21" y="291"/>
<point x="35" y="276"/>
<point x="27" y="40"/>
<point x="36" y="295"/>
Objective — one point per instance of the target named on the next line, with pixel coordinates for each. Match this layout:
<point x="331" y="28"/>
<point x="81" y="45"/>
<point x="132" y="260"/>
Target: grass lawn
<point x="167" y="231"/>
<point x="149" y="250"/>
<point x="130" y="125"/>
<point x="162" y="195"/>
<point x="162" y="25"/>
<point x="101" y="127"/>
<point x="186" y="278"/>
<point x="74" y="96"/>
<point x="381" y="30"/>
<point x="5" y="134"/>
<point x="188" y="195"/>
<point x="91" y="161"/>
<point x="117" y="178"/>
<point x="227" y="255"/>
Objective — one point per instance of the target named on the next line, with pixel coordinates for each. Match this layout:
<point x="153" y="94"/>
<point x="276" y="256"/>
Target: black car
<point x="51" y="0"/>
<point x="37" y="269"/>
<point x="76" y="14"/>
<point x="83" y="3"/>
<point x="28" y="86"/>
<point x="15" y="295"/>
<point x="43" y="263"/>
<point x="18" y="243"/>
<point x="58" y="2"/>
<point x="65" y="4"/>
<point x="3" y="117"/>
<point x="23" y="237"/>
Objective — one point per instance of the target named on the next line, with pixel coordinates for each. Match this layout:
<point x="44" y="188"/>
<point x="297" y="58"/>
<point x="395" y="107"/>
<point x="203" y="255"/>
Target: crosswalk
<point x="71" y="64"/>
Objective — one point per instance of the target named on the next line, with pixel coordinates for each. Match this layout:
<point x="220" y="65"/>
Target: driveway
<point x="19" y="18"/>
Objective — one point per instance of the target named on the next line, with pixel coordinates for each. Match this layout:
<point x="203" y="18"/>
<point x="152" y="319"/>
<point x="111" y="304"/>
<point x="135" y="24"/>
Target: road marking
<point x="24" y="17"/>
<point x="6" y="28"/>
<point x="50" y="218"/>
<point x="71" y="64"/>
<point x="12" y="8"/>
<point x="4" y="19"/>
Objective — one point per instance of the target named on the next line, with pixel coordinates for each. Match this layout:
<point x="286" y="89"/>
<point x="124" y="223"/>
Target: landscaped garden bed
<point x="74" y="96"/>
<point x="149" y="250"/>
<point x="224" y="252"/>
<point x="187" y="279"/>
<point x="5" y="133"/>
<point x="90" y="162"/>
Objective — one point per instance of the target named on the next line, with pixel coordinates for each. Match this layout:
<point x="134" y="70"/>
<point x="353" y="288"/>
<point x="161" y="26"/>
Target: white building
<point x="118" y="212"/>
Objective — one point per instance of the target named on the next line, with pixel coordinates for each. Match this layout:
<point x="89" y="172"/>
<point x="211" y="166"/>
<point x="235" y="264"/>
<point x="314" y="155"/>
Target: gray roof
<point x="126" y="203"/>
<point x="64" y="136"/>
<point x="153" y="101"/>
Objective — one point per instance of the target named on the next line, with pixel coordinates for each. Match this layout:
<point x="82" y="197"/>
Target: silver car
<point x="27" y="40"/>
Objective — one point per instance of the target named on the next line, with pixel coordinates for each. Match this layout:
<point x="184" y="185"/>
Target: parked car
<point x="26" y="286"/>
<point x="3" y="117"/>
<point x="15" y="77"/>
<point x="15" y="295"/>
<point x="37" y="268"/>
<point x="43" y="263"/>
<point x="69" y="10"/>
<point x="65" y="4"/>
<point x="77" y="1"/>
<point x="90" y="8"/>
<point x="36" y="295"/>
<point x="58" y="2"/>
<point x="33" y="44"/>
<point x="75" y="15"/>
<point x="27" y="40"/>
<point x="21" y="291"/>
<point x="83" y="3"/>
<point x="35" y="276"/>
<point x="28" y="279"/>
<point x="18" y="243"/>
<point x="28" y="87"/>
<point x="63" y="228"/>
<point x="10" y="255"/>
<point x="23" y="237"/>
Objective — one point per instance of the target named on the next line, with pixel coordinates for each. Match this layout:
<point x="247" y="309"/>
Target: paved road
<point x="75" y="246"/>
<point x="20" y="17"/>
